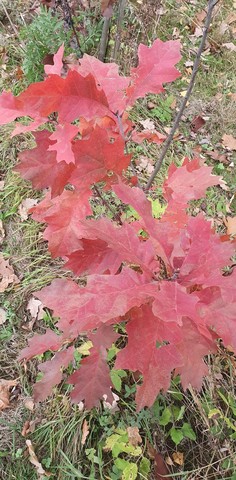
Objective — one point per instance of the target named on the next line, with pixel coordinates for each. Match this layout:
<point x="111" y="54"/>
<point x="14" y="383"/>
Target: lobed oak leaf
<point x="104" y="299"/>
<point x="40" y="344"/>
<point x="172" y="303"/>
<point x="155" y="67"/>
<point x="98" y="159"/>
<point x="189" y="182"/>
<point x="92" y="381"/>
<point x="104" y="337"/>
<point x="193" y="349"/>
<point x="157" y="375"/>
<point x="107" y="78"/>
<point x="52" y="374"/>
<point x="63" y="218"/>
<point x="124" y="241"/>
<point x="55" y="69"/>
<point x="93" y="257"/>
<point x="39" y="165"/>
<point x="63" y="137"/>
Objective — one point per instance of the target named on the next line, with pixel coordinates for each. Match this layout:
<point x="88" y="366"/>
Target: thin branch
<point x="68" y="17"/>
<point x="120" y="124"/>
<point x="120" y="19"/>
<point x="104" y="39"/>
<point x="115" y="214"/>
<point x="211" y="5"/>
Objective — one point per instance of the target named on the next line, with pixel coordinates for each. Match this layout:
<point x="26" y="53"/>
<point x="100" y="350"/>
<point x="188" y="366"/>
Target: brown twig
<point x="115" y="214"/>
<point x="104" y="39"/>
<point x="68" y="17"/>
<point x="119" y="28"/>
<point x="211" y="5"/>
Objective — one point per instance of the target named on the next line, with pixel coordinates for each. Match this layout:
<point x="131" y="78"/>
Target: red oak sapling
<point x="163" y="277"/>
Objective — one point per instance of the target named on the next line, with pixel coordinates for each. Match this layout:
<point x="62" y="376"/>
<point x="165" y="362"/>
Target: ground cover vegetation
<point x="182" y="424"/>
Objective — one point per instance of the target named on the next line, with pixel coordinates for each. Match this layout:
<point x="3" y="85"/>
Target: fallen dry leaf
<point x="2" y="183"/>
<point x="133" y="436"/>
<point x="3" y="316"/>
<point x="229" y="141"/>
<point x="34" y="460"/>
<point x="25" y="206"/>
<point x="29" y="404"/>
<point x="219" y="157"/>
<point x="147" y="124"/>
<point x="85" y="431"/>
<point x="197" y="123"/>
<point x="231" y="18"/>
<point x="231" y="225"/>
<point x="178" y="458"/>
<point x="5" y="386"/>
<point x="2" y="232"/>
<point x="6" y="274"/>
<point x="230" y="46"/>
<point x="35" y="308"/>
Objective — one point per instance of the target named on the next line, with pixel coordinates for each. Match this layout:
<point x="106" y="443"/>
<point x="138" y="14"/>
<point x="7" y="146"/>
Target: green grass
<point x="211" y="414"/>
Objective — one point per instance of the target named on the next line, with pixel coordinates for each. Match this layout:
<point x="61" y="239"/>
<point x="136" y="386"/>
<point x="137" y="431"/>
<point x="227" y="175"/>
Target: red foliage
<point x="163" y="277"/>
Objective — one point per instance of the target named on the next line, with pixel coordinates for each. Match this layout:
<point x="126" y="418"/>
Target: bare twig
<point x="119" y="28"/>
<point x="68" y="17"/>
<point x="104" y="39"/>
<point x="211" y="5"/>
<point x="116" y="215"/>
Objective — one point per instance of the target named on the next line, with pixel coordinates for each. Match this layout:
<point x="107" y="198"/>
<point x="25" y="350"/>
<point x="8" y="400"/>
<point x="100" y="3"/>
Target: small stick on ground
<point x="104" y="39"/>
<point x="119" y="29"/>
<point x="68" y="18"/>
<point x="211" y="5"/>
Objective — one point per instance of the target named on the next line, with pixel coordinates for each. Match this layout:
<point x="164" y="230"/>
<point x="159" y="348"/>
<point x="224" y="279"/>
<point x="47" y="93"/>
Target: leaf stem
<point x="211" y="5"/>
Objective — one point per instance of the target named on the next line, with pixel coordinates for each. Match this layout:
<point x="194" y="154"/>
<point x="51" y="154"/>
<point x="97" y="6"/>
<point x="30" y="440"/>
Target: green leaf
<point x="157" y="208"/>
<point x="130" y="472"/>
<point x="188" y="431"/>
<point x="176" y="435"/>
<point x="116" y="376"/>
<point x="112" y="352"/>
<point x="165" y="417"/>
<point x="121" y="464"/>
<point x="144" y="466"/>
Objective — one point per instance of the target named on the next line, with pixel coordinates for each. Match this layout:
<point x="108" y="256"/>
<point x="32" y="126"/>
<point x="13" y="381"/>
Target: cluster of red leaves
<point x="163" y="277"/>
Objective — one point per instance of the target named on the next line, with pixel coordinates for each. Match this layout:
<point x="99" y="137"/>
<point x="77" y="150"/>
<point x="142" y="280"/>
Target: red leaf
<point x="52" y="373"/>
<point x="63" y="218"/>
<point x="40" y="166"/>
<point x="156" y="66"/>
<point x="151" y="136"/>
<point x="41" y="343"/>
<point x="189" y="182"/>
<point x="93" y="257"/>
<point x="55" y="69"/>
<point x="97" y="159"/>
<point x="107" y="77"/>
<point x="92" y="381"/>
<point x="63" y="136"/>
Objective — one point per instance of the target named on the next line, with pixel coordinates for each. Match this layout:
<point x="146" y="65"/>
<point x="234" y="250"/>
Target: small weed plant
<point x="149" y="292"/>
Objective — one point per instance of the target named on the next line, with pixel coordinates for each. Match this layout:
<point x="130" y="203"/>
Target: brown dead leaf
<point x="231" y="18"/>
<point x="219" y="157"/>
<point x="231" y="225"/>
<point x="35" y="308"/>
<point x="25" y="206"/>
<point x="29" y="404"/>
<point x="178" y="458"/>
<point x="34" y="460"/>
<point x="3" y="316"/>
<point x="7" y="275"/>
<point x="229" y="141"/>
<point x="25" y="429"/>
<point x="147" y="124"/>
<point x="133" y="436"/>
<point x="2" y="232"/>
<point x="197" y="123"/>
<point x="5" y="386"/>
<point x="85" y="432"/>
<point x="230" y="46"/>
